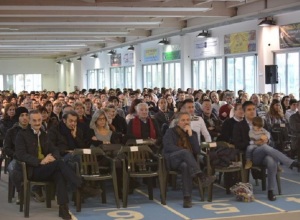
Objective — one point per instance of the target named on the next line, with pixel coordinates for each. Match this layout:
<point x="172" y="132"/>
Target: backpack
<point x="222" y="156"/>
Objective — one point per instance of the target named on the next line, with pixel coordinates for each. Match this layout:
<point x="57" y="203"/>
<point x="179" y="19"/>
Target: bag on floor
<point x="243" y="192"/>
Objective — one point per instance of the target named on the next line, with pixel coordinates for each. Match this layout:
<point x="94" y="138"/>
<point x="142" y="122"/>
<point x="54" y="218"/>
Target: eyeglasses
<point x="101" y="119"/>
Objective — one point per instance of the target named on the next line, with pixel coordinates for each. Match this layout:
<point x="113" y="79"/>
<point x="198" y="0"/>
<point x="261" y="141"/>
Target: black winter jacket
<point x="27" y="148"/>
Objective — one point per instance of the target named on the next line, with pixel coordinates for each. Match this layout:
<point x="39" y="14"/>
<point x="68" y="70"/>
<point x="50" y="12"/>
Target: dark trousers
<point x="60" y="173"/>
<point x="184" y="162"/>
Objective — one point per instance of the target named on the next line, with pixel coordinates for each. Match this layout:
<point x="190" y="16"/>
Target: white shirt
<point x="288" y="114"/>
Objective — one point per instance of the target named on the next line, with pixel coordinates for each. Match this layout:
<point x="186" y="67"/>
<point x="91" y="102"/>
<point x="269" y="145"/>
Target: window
<point x="122" y="77"/>
<point x="95" y="79"/>
<point x="288" y="73"/>
<point x="152" y="75"/>
<point x="21" y="82"/>
<point x="172" y="75"/>
<point x="208" y="74"/>
<point x="241" y="73"/>
<point x="1" y="83"/>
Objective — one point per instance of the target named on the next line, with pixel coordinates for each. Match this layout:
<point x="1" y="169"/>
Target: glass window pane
<point x="219" y="74"/>
<point x="202" y="75"/>
<point x="92" y="79"/>
<point x="250" y="74"/>
<point x="156" y="77"/>
<point x="230" y="73"/>
<point x="239" y="74"/>
<point x="1" y="82"/>
<point x="159" y="75"/>
<point x="177" y="75"/>
<point x="172" y="76"/>
<point x="167" y="75"/>
<point x="101" y="79"/>
<point x="281" y="63"/>
<point x="293" y="74"/>
<point x="209" y="74"/>
<point x="196" y="74"/>
<point x="19" y="83"/>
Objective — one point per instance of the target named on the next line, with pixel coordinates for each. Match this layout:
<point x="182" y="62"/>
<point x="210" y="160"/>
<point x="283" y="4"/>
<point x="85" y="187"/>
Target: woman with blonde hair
<point x="100" y="132"/>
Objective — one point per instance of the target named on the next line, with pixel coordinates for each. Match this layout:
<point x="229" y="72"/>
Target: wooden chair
<point x="172" y="174"/>
<point x="90" y="171"/>
<point x="25" y="194"/>
<point x="208" y="147"/>
<point x="140" y="161"/>
<point x="262" y="175"/>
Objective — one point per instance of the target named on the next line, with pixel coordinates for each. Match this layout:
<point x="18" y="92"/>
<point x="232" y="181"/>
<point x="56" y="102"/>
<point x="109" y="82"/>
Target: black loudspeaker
<point x="271" y="73"/>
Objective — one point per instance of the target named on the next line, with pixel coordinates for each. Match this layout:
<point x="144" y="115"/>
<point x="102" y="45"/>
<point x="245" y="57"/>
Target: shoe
<point x="64" y="212"/>
<point x="18" y="199"/>
<point x="206" y="180"/>
<point x="295" y="164"/>
<point x="248" y="164"/>
<point x="271" y="196"/>
<point x="187" y="202"/>
<point x="38" y="196"/>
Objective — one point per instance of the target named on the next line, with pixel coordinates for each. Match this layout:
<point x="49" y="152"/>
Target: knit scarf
<point x="136" y="128"/>
<point x="183" y="140"/>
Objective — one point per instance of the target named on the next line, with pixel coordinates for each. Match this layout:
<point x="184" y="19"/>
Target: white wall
<point x="46" y="67"/>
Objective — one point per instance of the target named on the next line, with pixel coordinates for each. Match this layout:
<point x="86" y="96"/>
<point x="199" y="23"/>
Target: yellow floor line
<point x="164" y="206"/>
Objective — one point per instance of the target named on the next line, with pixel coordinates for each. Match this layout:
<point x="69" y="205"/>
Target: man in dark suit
<point x="163" y="116"/>
<point x="43" y="161"/>
<point x="268" y="157"/>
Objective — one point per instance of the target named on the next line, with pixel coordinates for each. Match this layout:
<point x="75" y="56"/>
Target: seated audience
<point x="268" y="157"/>
<point x="292" y="110"/>
<point x="228" y="124"/>
<point x="180" y="147"/>
<point x="43" y="163"/>
<point x="197" y="122"/>
<point x="100" y="133"/>
<point x="132" y="110"/>
<point x="216" y="103"/>
<point x="212" y="121"/>
<point x="224" y="111"/>
<point x="118" y="123"/>
<point x="295" y="131"/>
<point x="67" y="136"/>
<point x="144" y="127"/>
<point x="261" y="109"/>
<point x="8" y="118"/>
<point x="163" y="116"/>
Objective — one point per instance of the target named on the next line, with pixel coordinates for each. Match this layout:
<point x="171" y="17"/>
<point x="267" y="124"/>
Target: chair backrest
<point x="138" y="157"/>
<point x="89" y="163"/>
<point x="111" y="150"/>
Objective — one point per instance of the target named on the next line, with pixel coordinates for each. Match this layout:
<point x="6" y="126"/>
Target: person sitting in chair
<point x="43" y="161"/>
<point x="268" y="157"/>
<point x="180" y="147"/>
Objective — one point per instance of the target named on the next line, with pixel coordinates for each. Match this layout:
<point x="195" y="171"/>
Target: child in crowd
<point x="257" y="132"/>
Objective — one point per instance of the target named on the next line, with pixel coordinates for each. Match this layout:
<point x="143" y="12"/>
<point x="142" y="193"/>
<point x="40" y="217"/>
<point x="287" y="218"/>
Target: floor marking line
<point x="271" y="206"/>
<point x="242" y="216"/>
<point x="108" y="209"/>
<point x="289" y="180"/>
<point x="164" y="206"/>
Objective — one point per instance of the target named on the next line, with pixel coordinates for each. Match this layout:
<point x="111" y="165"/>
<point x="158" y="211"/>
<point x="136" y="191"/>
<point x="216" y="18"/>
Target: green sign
<point x="172" y="55"/>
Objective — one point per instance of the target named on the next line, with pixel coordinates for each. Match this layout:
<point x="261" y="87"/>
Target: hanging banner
<point x="115" y="60"/>
<point x="172" y="55"/>
<point x="127" y="59"/>
<point x="206" y="47"/>
<point x="241" y="42"/>
<point x="151" y="55"/>
<point x="289" y="35"/>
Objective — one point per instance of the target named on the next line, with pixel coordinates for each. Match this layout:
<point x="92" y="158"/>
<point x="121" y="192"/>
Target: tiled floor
<point x="287" y="206"/>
